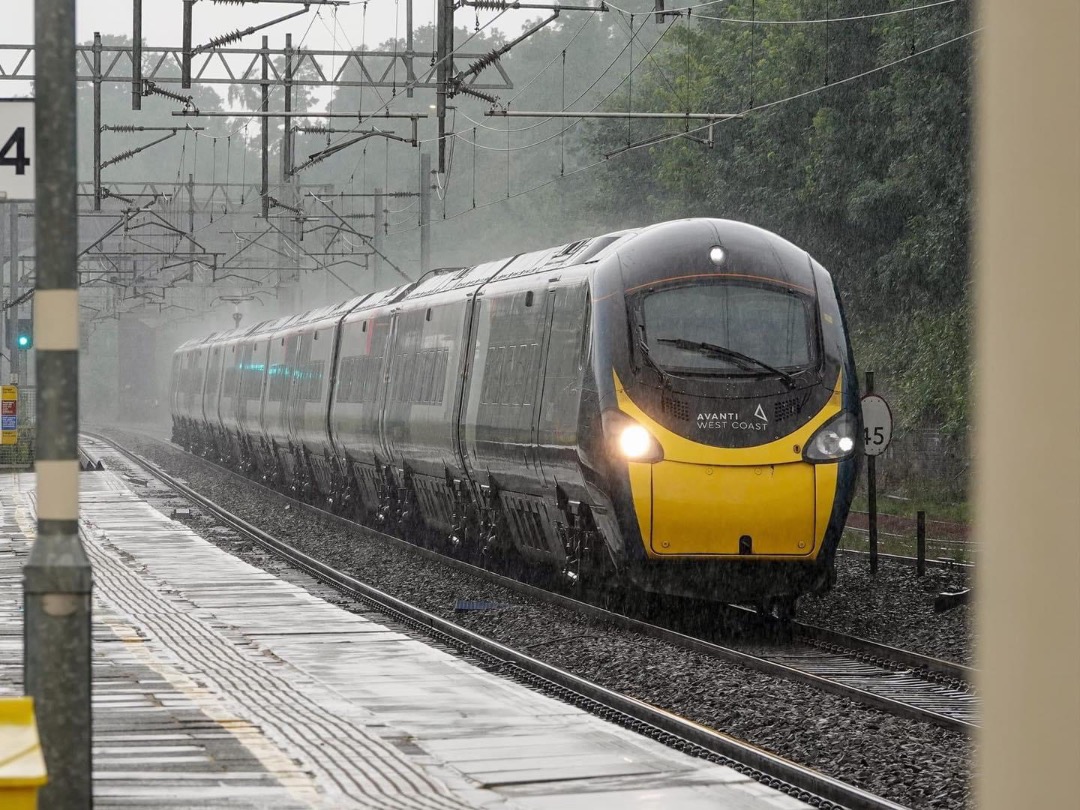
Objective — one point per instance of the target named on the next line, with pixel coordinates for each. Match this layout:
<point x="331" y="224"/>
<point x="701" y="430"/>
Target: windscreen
<point x="685" y="328"/>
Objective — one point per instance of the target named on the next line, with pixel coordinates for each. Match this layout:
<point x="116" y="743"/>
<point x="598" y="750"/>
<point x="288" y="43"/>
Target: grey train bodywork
<point x="478" y="407"/>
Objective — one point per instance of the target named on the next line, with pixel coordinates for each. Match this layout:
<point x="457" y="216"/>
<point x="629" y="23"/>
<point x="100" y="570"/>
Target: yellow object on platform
<point x="22" y="766"/>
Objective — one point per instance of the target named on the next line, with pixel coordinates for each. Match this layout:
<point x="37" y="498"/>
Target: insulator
<point x="121" y="156"/>
<point x="276" y="203"/>
<point x="483" y="62"/>
<point x="226" y="39"/>
<point x="149" y="88"/>
<point x="490" y="5"/>
<point x="470" y="91"/>
<point x="106" y="193"/>
<point x="121" y="128"/>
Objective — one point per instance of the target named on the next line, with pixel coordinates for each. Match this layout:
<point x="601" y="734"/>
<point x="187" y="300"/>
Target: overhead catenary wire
<point x="816" y="21"/>
<point x="586" y="91"/>
<point x="612" y="92"/>
<point x="763" y="107"/>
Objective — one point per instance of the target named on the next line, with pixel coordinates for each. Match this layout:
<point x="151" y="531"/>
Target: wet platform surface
<point x="220" y="685"/>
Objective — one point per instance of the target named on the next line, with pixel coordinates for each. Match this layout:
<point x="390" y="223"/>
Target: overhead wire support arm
<point x="666" y="116"/>
<point x="236" y="36"/>
<point x="276" y="203"/>
<point x="129" y="128"/>
<point x="281" y="2"/>
<point x="318" y="157"/>
<point x="152" y="89"/>
<point x="359" y="117"/>
<point x="502" y="5"/>
<point x="495" y="55"/>
<point x="130" y="153"/>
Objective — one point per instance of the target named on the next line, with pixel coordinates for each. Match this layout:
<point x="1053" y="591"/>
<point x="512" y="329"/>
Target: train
<point x="673" y="408"/>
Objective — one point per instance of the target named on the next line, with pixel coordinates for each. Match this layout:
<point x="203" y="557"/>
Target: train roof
<point x="753" y="251"/>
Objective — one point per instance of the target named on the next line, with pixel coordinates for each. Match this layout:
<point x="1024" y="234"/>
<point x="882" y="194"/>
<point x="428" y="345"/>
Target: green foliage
<point x="923" y="365"/>
<point x="868" y="169"/>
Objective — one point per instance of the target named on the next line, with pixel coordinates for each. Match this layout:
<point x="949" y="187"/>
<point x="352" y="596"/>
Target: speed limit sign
<point x="877" y="424"/>
<point x="16" y="149"/>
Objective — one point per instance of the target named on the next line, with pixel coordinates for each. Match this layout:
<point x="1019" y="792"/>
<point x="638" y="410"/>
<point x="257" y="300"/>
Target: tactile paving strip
<point x="363" y="768"/>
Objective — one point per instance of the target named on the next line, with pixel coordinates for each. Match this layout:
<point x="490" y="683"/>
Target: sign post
<point x="9" y="415"/>
<point x="877" y="433"/>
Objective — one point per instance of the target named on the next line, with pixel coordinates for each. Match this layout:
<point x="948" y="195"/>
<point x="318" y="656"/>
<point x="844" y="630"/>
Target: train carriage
<point x="674" y="406"/>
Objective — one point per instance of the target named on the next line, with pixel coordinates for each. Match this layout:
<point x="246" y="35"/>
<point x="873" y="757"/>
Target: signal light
<point x="24" y="334"/>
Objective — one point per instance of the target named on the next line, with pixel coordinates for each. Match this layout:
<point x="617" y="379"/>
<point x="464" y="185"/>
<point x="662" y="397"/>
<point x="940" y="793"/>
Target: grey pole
<point x="377" y="230"/>
<point x="136" y="55"/>
<point x="13" y="278"/>
<point x="287" y="142"/>
<point x="265" y="189"/>
<point x="425" y="212"/>
<point x="185" y="58"/>
<point x="97" y="121"/>
<point x="410" y="75"/>
<point x="871" y="493"/>
<point x="57" y="577"/>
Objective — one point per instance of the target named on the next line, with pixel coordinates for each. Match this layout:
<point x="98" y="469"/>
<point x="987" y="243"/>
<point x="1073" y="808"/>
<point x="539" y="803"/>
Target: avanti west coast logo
<point x="731" y="420"/>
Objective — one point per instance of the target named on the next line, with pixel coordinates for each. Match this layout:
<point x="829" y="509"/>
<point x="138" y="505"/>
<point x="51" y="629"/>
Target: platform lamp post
<point x="57" y="577"/>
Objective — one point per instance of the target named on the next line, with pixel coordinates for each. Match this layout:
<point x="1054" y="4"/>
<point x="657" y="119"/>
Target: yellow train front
<point x="730" y="429"/>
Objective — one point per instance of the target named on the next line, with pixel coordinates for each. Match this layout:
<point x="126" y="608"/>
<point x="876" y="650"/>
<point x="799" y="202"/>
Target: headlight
<point x="629" y="440"/>
<point x="836" y="440"/>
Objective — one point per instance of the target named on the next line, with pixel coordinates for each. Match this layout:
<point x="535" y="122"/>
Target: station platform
<point x="217" y="684"/>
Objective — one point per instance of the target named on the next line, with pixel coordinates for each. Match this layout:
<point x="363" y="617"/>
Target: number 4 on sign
<point x="17" y="141"/>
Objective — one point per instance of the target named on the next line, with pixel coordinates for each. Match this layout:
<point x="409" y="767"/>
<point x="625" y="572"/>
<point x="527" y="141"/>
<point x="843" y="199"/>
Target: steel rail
<point x="901" y="559"/>
<point x="924" y="668"/>
<point x="655" y="722"/>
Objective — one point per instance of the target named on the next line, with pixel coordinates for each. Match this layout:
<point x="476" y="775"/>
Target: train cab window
<point x="725" y="328"/>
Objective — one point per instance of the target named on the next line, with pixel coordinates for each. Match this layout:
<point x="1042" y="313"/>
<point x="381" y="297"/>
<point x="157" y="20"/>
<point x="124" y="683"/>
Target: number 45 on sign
<point x="16" y="149"/>
<point x="877" y="424"/>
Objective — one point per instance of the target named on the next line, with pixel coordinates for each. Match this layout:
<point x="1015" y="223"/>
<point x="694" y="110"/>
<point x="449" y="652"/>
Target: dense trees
<point x="868" y="168"/>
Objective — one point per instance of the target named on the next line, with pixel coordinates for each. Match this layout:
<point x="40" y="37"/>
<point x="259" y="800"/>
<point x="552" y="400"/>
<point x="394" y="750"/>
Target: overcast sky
<point x="345" y="27"/>
<point x="318" y="29"/>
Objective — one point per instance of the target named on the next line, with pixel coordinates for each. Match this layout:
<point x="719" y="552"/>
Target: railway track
<point x="893" y="680"/>
<point x="910" y="562"/>
<point x="896" y="681"/>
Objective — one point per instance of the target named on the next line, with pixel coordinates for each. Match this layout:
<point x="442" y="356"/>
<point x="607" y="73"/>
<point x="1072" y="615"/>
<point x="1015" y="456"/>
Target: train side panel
<point x="354" y="405"/>
<point x="417" y="426"/>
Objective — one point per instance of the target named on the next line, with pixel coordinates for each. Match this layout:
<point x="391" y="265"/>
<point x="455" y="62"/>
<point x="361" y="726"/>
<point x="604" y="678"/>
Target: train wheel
<point x="779" y="608"/>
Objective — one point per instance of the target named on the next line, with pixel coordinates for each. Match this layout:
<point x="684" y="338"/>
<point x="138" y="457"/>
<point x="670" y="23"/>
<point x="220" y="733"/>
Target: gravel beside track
<point x="917" y="764"/>
<point x="895" y="609"/>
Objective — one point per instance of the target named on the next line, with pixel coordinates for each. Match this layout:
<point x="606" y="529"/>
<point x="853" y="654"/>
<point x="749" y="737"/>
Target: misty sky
<point x="320" y="29"/>
<point x="162" y="21"/>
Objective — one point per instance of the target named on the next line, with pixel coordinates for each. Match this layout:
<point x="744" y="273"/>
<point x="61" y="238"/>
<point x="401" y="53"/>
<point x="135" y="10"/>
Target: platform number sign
<point x="9" y="414"/>
<point x="877" y="424"/>
<point x="17" y="160"/>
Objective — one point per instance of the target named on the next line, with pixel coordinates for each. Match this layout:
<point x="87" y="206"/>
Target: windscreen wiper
<point x="713" y="350"/>
<point x="665" y="377"/>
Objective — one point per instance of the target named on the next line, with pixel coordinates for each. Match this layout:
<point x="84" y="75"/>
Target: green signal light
<point x="24" y="334"/>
